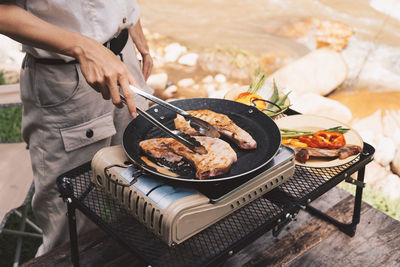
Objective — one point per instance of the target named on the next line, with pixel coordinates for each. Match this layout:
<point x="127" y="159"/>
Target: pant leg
<point x="56" y="98"/>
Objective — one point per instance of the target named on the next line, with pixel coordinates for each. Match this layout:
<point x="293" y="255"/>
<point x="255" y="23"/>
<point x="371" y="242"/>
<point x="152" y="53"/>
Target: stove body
<point x="175" y="212"/>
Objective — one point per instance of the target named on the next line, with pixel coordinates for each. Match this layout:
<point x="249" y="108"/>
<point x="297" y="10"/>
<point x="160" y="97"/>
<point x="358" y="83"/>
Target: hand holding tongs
<point x="199" y="125"/>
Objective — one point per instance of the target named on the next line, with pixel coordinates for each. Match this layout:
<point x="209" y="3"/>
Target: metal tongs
<point x="203" y="127"/>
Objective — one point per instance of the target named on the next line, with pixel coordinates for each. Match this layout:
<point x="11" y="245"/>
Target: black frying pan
<point x="261" y="127"/>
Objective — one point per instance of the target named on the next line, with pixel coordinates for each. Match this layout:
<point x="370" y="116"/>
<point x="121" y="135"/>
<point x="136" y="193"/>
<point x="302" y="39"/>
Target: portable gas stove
<point x="236" y="213"/>
<point x="175" y="212"/>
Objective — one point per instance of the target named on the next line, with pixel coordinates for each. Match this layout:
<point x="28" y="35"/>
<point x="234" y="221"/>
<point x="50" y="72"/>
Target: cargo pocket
<point x="55" y="84"/>
<point x="87" y="133"/>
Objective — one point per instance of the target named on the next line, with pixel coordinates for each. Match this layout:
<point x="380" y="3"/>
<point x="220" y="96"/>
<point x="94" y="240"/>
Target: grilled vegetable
<point x="297" y="133"/>
<point x="325" y="139"/>
<point x="251" y="99"/>
<point x="321" y="139"/>
<point x="330" y="138"/>
<point x="294" y="142"/>
<point x="250" y="96"/>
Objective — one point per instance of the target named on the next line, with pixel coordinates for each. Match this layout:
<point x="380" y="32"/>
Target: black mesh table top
<point x="218" y="241"/>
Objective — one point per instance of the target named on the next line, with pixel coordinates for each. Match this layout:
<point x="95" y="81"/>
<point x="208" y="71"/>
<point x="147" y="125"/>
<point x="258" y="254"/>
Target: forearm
<point x="26" y="28"/>
<point x="139" y="39"/>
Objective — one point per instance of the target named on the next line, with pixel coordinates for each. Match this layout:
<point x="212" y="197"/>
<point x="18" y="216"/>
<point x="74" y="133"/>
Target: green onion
<point x="296" y="133"/>
<point x="281" y="101"/>
<point x="275" y="96"/>
<point x="274" y="110"/>
<point x="257" y="82"/>
<point x="338" y="129"/>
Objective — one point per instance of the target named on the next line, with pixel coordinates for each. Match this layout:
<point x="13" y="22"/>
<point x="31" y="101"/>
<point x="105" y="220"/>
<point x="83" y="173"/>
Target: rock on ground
<point x="233" y="66"/>
<point x="187" y="82"/>
<point x="395" y="164"/>
<point x="173" y="52"/>
<point x="189" y="59"/>
<point x="208" y="79"/>
<point x="384" y="151"/>
<point x="317" y="33"/>
<point x="391" y="125"/>
<point x="169" y="92"/>
<point x="311" y="73"/>
<point x="368" y="133"/>
<point x="315" y="104"/>
<point x="382" y="132"/>
<point x="158" y="81"/>
<point x="382" y="179"/>
<point x="220" y="78"/>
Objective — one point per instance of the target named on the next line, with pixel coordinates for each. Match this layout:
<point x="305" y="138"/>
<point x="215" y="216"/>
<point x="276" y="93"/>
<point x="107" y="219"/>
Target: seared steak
<point x="218" y="159"/>
<point x="158" y="149"/>
<point x="349" y="150"/>
<point x="302" y="154"/>
<point x="224" y="125"/>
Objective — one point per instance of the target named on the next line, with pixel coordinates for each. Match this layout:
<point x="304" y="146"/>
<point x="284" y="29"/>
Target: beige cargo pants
<point x="65" y="122"/>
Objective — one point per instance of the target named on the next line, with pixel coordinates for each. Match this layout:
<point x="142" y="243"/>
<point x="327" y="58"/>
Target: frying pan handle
<point x="159" y="101"/>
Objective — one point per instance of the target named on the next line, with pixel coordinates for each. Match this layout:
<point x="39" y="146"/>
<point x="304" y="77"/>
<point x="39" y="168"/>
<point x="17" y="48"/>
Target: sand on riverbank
<point x="364" y="102"/>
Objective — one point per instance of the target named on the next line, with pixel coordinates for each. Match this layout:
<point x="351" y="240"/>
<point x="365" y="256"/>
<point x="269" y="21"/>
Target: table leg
<point x="347" y="228"/>
<point x="358" y="197"/>
<point x="73" y="233"/>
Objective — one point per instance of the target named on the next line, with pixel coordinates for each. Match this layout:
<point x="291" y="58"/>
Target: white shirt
<point x="99" y="19"/>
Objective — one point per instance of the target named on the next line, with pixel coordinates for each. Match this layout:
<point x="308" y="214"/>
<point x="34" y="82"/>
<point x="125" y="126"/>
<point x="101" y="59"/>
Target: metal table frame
<point x="284" y="201"/>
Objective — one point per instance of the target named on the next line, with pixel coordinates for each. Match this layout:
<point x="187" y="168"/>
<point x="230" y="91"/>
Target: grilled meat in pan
<point x="218" y="160"/>
<point x="302" y="154"/>
<point x="224" y="125"/>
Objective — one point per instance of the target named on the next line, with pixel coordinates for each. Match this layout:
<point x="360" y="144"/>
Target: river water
<point x="373" y="53"/>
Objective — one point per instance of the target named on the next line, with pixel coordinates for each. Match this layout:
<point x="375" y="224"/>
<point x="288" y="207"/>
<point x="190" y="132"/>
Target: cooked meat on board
<point x="218" y="160"/>
<point x="224" y="125"/>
